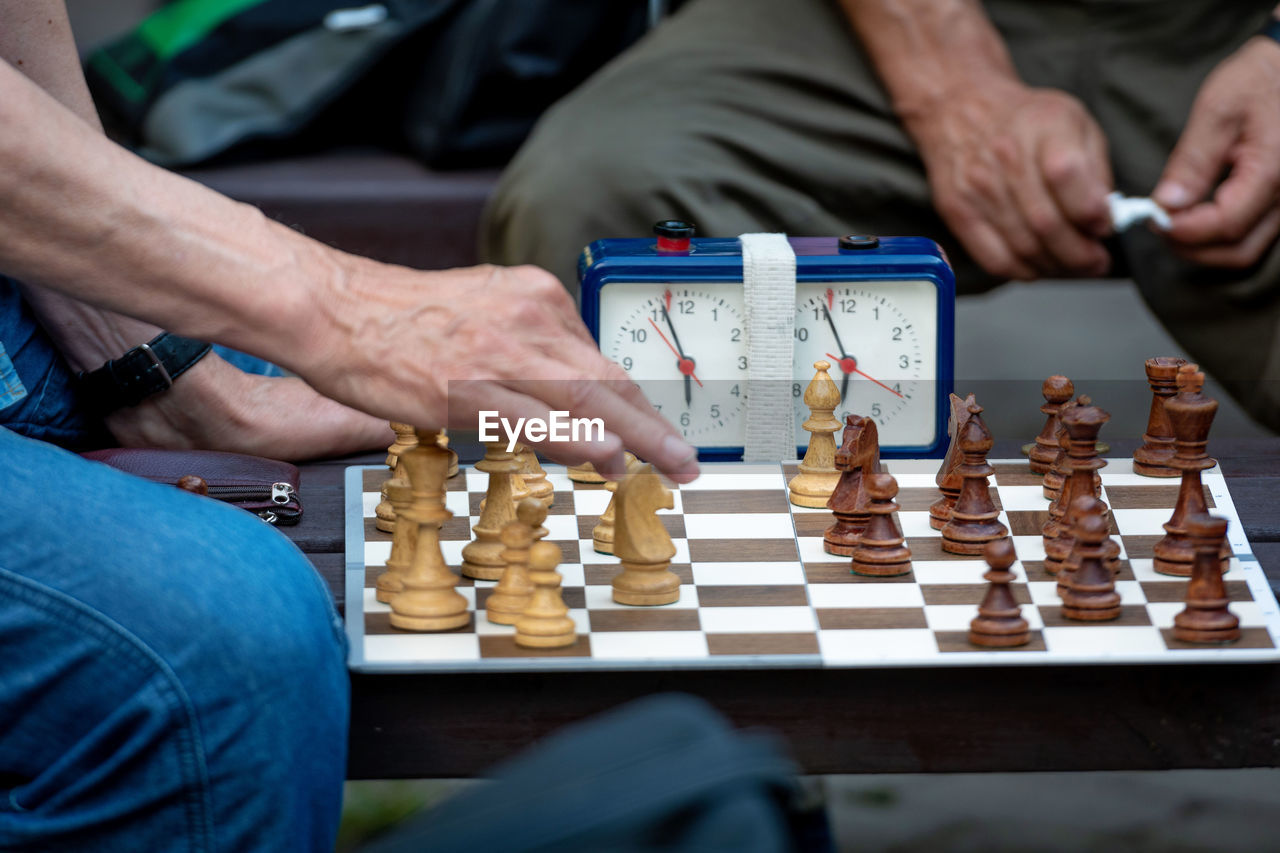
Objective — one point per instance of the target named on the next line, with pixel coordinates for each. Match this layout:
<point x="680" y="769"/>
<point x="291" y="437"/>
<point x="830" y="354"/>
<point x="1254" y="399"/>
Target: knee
<point x="264" y="612"/>
<point x="587" y="162"/>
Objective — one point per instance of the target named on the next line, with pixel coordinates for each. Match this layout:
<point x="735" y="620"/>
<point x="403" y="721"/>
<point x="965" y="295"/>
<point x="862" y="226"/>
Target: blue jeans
<point x="172" y="670"/>
<point x="172" y="674"/>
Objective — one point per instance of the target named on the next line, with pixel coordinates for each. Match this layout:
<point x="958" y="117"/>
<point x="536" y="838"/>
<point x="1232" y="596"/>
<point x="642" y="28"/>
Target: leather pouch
<point x="266" y="487"/>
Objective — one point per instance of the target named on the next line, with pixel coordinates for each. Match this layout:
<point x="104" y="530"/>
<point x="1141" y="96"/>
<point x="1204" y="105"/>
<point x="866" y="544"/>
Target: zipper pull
<point x="280" y="492"/>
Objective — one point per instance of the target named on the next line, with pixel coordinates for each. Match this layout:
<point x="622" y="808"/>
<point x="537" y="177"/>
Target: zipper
<point x="279" y="493"/>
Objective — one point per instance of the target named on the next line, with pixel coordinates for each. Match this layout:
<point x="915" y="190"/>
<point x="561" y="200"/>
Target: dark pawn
<point x="880" y="551"/>
<point x="999" y="623"/>
<point x="1057" y="391"/>
<point x="948" y="478"/>
<point x="1091" y="594"/>
<point x="1058" y="470"/>
<point x="973" y="520"/>
<point x="1082" y="425"/>
<point x="1152" y="458"/>
<point x="1206" y="618"/>
<point x="857" y="458"/>
<point x="1191" y="414"/>
<point x="1087" y="505"/>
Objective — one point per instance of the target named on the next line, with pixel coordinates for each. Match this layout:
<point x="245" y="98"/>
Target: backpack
<point x="454" y="82"/>
<point x="664" y="773"/>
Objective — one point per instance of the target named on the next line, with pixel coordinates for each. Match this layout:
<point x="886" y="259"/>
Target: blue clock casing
<point x="840" y="261"/>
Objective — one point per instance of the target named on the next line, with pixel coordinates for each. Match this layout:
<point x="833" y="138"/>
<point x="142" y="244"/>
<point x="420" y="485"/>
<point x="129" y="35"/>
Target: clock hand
<point x="666" y="315"/>
<point x="688" y="387"/>
<point x="878" y="382"/>
<point x="844" y="379"/>
<point x="832" y="323"/>
<point x="685" y="365"/>
<point x="848" y="365"/>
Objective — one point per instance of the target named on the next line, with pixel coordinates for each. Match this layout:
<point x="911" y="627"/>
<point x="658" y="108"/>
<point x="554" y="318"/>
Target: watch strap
<point x="145" y="370"/>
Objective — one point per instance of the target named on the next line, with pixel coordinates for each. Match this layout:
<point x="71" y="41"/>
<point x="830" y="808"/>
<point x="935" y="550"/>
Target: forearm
<point x="83" y="217"/>
<point x="36" y="39"/>
<point x="924" y="50"/>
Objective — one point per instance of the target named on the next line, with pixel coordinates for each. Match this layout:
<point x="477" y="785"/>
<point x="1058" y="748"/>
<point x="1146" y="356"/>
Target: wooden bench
<point x="376" y="204"/>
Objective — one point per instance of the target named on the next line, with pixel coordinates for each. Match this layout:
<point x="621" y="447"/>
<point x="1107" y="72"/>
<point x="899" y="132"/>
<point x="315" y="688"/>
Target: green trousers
<point x="750" y="115"/>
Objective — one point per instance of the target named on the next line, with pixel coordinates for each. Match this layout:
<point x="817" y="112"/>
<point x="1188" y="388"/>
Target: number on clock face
<point x="685" y="346"/>
<point x="881" y="341"/>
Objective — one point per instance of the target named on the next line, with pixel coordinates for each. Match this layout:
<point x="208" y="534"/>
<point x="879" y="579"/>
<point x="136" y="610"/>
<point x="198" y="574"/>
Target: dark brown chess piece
<point x="1087" y="505"/>
<point x="857" y="457"/>
<point x="973" y="519"/>
<point x="1152" y="458"/>
<point x="948" y="478"/>
<point x="1206" y="618"/>
<point x="1082" y="424"/>
<point x="999" y="623"/>
<point x="1091" y="594"/>
<point x="1057" y="391"/>
<point x="881" y="551"/>
<point x="1191" y="415"/>
<point x="1058" y="471"/>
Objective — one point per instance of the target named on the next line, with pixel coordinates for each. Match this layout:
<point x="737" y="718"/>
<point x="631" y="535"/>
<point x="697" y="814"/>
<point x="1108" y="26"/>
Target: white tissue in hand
<point x="1127" y="211"/>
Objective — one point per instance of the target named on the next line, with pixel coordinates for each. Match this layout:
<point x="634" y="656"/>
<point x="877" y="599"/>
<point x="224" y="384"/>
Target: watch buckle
<point x="155" y="360"/>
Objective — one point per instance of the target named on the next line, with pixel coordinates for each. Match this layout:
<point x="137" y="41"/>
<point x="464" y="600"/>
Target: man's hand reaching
<point x="436" y="348"/>
<point x="1233" y="129"/>
<point x="1020" y="176"/>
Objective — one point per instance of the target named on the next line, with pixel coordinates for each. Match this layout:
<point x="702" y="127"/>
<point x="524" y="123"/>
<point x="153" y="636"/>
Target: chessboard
<point x="759" y="591"/>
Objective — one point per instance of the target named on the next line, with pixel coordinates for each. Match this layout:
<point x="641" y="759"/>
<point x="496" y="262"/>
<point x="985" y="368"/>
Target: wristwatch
<point x="145" y="370"/>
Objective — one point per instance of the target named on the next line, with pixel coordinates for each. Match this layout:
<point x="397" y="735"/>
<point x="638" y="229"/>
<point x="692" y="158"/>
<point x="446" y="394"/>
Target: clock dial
<point x="685" y="346"/>
<point x="880" y="338"/>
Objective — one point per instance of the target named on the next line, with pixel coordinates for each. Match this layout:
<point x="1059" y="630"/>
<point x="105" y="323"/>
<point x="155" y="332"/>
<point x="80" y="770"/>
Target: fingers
<point x="570" y="375"/>
<point x="503" y="414"/>
<point x="967" y="212"/>
<point x="1044" y="193"/>
<point x="1078" y="177"/>
<point x="219" y="407"/>
<point x="641" y="429"/>
<point x="1233" y="213"/>
<point x="1198" y="158"/>
<point x="1030" y="200"/>
<point x="1240" y="254"/>
<point x="288" y="419"/>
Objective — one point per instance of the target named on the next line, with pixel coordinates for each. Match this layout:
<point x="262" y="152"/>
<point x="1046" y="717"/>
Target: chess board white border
<point x="909" y="473"/>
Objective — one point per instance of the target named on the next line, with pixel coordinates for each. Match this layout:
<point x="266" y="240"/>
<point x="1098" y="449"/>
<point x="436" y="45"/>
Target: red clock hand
<point x="850" y="365"/>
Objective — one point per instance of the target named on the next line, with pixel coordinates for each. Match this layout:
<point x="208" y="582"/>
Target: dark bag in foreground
<point x="666" y="773"/>
<point x="266" y="487"/>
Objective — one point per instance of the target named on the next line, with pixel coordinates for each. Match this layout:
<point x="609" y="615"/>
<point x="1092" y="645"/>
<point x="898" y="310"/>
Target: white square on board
<point x="853" y="646"/>
<point x="648" y="645"/>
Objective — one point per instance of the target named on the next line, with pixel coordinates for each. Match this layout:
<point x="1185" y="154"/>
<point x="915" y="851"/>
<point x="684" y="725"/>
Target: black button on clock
<point x="853" y="242"/>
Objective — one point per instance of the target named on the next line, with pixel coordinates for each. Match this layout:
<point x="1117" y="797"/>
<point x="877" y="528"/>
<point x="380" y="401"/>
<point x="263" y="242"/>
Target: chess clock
<point x="880" y="310"/>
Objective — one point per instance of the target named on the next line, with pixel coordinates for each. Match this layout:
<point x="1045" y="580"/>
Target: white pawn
<point x="545" y="623"/>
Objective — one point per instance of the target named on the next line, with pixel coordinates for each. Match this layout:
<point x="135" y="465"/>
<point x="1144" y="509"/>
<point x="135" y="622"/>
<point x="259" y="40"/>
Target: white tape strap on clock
<point x="769" y="284"/>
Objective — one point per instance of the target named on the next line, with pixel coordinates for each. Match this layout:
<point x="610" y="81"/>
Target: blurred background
<point x="380" y="200"/>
